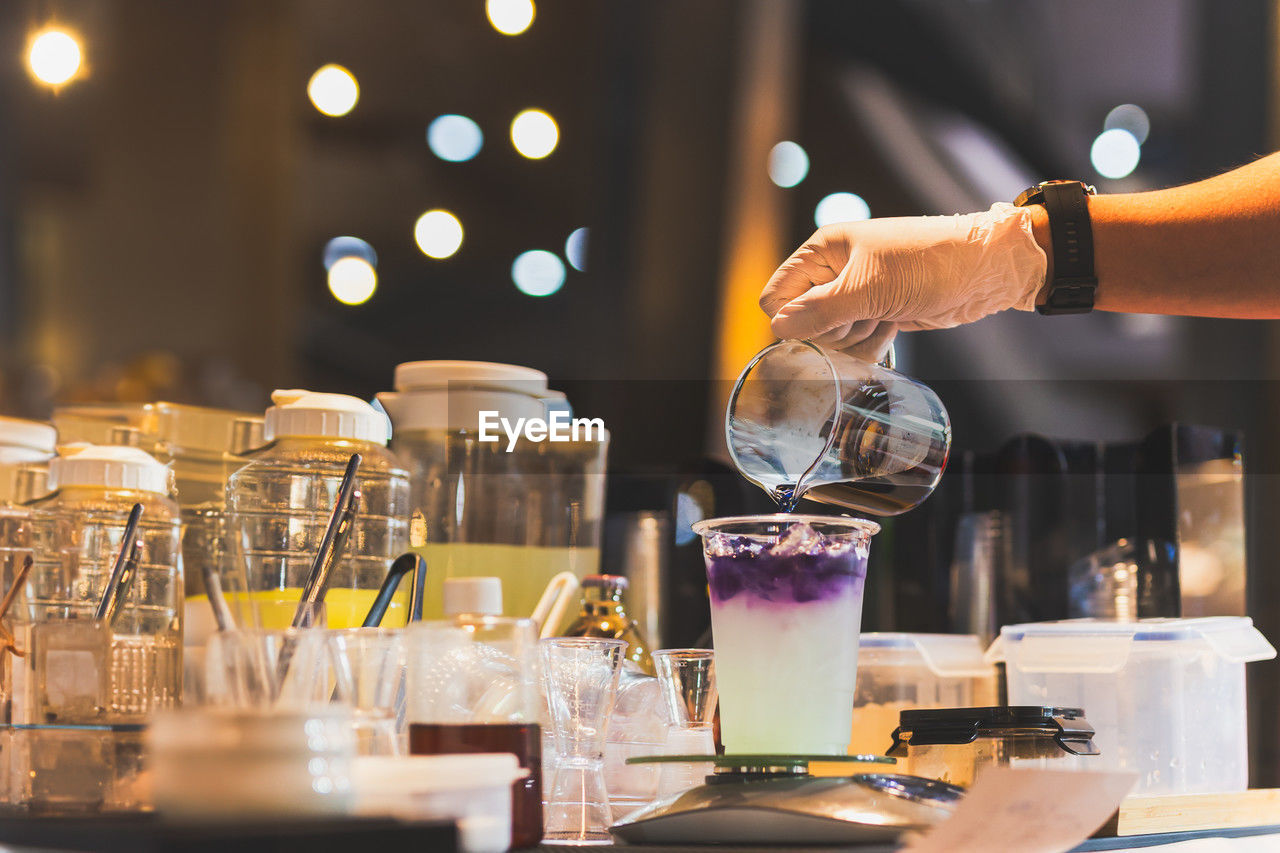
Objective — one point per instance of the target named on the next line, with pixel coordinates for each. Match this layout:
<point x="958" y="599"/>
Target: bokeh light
<point x="1115" y="153"/>
<point x="333" y="90"/>
<point x="438" y="233"/>
<point x="841" y="207"/>
<point x="1130" y="117"/>
<point x="352" y="280"/>
<point x="454" y="138"/>
<point x="510" y="17"/>
<point x="348" y="247"/>
<point x="538" y="273"/>
<point x="534" y="134"/>
<point x="575" y="249"/>
<point x="54" y="57"/>
<point x="788" y="164"/>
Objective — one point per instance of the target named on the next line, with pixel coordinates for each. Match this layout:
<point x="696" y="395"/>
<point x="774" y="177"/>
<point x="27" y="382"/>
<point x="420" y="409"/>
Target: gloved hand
<point x="853" y="285"/>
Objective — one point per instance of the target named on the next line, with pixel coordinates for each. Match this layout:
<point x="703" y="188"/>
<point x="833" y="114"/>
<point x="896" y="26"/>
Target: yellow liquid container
<point x="344" y="608"/>
<point x="487" y="498"/>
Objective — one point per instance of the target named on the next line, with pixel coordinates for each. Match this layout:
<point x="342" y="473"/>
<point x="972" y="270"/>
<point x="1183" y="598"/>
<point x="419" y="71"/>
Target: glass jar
<point x="77" y="534"/>
<point x="281" y="500"/>
<point x="491" y="502"/>
<point x="953" y="744"/>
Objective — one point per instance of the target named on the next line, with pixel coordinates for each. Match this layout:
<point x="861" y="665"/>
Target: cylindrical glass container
<point x="283" y="497"/>
<point x="77" y="532"/>
<point x="488" y="497"/>
<point x="953" y="744"/>
<point x="786" y="605"/>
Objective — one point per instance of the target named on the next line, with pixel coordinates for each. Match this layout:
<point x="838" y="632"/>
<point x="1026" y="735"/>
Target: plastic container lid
<point x="1096" y="646"/>
<point x="926" y="727"/>
<point x="109" y="467"/>
<point x="34" y="436"/>
<point x="400" y="775"/>
<point x="451" y="394"/>
<point x="196" y="427"/>
<point x="308" y="414"/>
<point x="946" y="655"/>
<point x="479" y="595"/>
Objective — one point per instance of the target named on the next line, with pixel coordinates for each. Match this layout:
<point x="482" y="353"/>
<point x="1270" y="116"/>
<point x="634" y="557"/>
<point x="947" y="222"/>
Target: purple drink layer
<point x="801" y="566"/>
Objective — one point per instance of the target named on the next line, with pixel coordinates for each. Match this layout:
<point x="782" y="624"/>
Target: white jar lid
<point x="387" y="775"/>
<point x="108" y="467"/>
<point x="479" y="595"/>
<point x="28" y="435"/>
<point x="437" y="375"/>
<point x="451" y="394"/>
<point x="308" y="414"/>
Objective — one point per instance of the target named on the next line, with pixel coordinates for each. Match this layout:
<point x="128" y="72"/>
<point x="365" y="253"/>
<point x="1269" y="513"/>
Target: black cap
<point x="1066" y="726"/>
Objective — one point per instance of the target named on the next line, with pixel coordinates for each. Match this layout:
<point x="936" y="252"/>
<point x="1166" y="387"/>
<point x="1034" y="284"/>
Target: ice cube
<point x="799" y="538"/>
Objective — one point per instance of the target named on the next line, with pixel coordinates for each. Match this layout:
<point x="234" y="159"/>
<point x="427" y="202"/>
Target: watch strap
<point x="1074" y="285"/>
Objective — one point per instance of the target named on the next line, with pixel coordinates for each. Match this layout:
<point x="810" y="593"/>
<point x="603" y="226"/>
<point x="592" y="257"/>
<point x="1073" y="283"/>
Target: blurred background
<point x="200" y="202"/>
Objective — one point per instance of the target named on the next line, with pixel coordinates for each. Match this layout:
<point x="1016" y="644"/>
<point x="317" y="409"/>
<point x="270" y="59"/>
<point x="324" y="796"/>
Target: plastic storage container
<point x="953" y="744"/>
<point x="897" y="672"/>
<point x="282" y="498"/>
<point x="474" y="790"/>
<point x="77" y="534"/>
<point x="1167" y="696"/>
<point x="521" y="509"/>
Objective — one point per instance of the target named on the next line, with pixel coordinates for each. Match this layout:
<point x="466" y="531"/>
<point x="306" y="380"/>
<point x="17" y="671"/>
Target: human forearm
<point x="1206" y="249"/>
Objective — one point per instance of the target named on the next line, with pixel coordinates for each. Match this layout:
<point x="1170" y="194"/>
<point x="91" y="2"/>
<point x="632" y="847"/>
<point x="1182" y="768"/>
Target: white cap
<point x="309" y="414"/>
<point x="480" y="595"/>
<point x="38" y="438"/>
<point x="110" y="468"/>
<point x="450" y="394"/>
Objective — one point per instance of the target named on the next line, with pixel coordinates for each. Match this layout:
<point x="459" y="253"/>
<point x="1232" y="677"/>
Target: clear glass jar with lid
<point x="77" y="532"/>
<point x="280" y="502"/>
<point x="489" y="496"/>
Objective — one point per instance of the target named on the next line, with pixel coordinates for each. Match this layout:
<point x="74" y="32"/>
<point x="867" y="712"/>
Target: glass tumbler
<point x="371" y="662"/>
<point x="289" y="669"/>
<point x="804" y="421"/>
<point x="688" y="680"/>
<point x="473" y="687"/>
<point x="786" y="607"/>
<point x="581" y="679"/>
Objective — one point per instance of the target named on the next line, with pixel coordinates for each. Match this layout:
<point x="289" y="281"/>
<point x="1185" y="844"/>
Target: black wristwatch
<point x="1073" y="286"/>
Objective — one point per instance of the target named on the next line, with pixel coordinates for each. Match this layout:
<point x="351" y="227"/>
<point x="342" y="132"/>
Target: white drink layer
<point x="786" y="672"/>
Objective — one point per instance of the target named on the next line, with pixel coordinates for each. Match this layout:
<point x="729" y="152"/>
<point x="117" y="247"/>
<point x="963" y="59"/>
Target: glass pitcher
<point x="804" y="421"/>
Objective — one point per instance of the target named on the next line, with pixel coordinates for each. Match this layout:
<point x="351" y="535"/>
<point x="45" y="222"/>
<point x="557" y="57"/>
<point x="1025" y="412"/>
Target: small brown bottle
<point x="604" y="614"/>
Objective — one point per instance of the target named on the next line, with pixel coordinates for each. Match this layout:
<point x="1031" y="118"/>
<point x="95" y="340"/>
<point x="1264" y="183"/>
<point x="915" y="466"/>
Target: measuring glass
<point x="804" y="421"/>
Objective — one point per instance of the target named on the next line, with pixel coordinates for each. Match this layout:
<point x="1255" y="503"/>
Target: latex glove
<point x="854" y="284"/>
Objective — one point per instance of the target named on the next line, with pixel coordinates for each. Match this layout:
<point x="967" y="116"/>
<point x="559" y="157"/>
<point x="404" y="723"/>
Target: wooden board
<point x="1147" y="815"/>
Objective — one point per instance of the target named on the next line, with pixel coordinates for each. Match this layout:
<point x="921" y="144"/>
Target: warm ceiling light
<point x="54" y="56"/>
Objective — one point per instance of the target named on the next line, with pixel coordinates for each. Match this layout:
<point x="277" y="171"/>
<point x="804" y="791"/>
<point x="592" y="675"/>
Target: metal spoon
<point x="217" y="599"/>
<point x="331" y="546"/>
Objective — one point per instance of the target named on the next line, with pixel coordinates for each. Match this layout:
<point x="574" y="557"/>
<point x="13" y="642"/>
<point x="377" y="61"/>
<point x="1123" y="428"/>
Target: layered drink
<point x="786" y="608"/>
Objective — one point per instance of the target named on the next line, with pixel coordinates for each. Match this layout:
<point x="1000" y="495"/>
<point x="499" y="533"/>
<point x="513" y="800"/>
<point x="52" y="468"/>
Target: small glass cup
<point x="786" y="606"/>
<point x="688" y="678"/>
<point x="290" y="669"/>
<point x="371" y="662"/>
<point x="581" y="678"/>
<point x="807" y="421"/>
<point x="473" y="687"/>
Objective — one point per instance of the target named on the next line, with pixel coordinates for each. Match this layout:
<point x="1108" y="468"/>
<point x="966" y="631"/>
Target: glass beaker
<point x="371" y="661"/>
<point x="473" y="687"/>
<point x="804" y="421"/>
<point x="786" y="606"/>
<point x="581" y="677"/>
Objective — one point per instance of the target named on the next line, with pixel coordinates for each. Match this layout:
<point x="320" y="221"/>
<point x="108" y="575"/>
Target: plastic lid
<point x="1066" y="726"/>
<point x="479" y="595"/>
<point x="29" y="435"/>
<point x="308" y="414"/>
<point x="1097" y="646"/>
<point x="196" y="427"/>
<point x="109" y="467"/>
<point x="451" y="394"/>
<point x="398" y="775"/>
<point x="946" y="655"/>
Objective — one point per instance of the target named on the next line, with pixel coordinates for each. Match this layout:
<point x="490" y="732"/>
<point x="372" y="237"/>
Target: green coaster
<point x="760" y="760"/>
